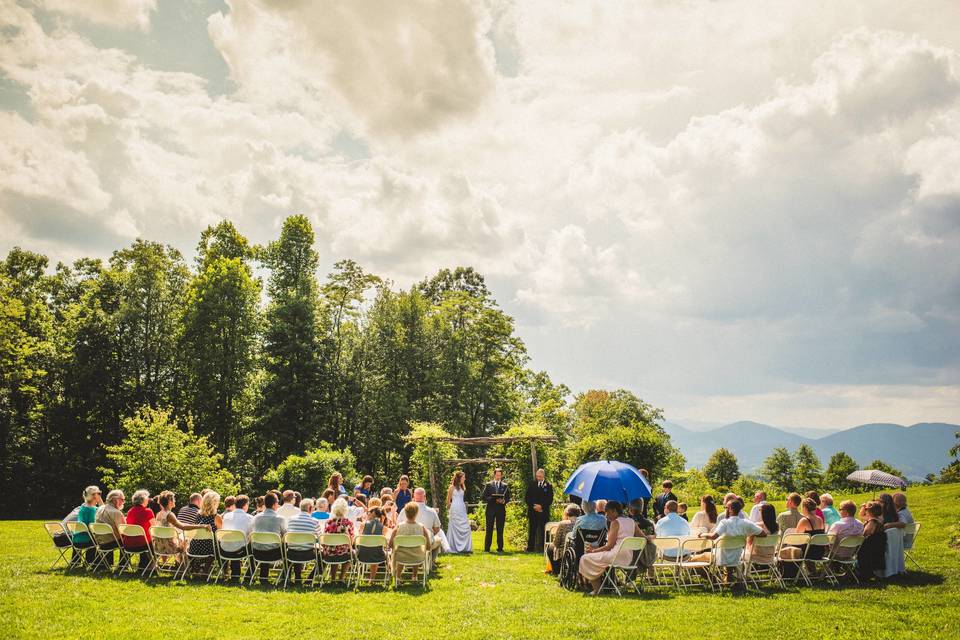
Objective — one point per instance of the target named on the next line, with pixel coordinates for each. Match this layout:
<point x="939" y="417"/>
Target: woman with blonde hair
<point x="459" y="533"/>
<point x="410" y="527"/>
<point x="208" y="516"/>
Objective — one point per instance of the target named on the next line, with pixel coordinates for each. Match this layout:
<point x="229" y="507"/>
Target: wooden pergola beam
<point x="495" y="440"/>
<point x="456" y="461"/>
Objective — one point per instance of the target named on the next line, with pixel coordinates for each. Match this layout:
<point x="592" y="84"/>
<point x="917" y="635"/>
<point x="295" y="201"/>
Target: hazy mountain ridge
<point x="917" y="450"/>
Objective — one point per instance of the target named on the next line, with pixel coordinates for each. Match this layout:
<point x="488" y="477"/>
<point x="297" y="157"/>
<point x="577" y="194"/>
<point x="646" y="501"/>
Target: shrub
<point x="310" y="472"/>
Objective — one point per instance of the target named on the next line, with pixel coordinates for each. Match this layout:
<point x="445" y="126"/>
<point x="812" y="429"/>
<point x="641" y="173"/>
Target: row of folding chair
<point x="280" y="556"/>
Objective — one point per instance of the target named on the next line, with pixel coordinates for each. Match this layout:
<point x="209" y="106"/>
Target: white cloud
<point x="113" y="13"/>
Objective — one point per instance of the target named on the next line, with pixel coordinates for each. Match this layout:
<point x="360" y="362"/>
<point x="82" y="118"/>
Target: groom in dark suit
<point x="539" y="497"/>
<point x="496" y="494"/>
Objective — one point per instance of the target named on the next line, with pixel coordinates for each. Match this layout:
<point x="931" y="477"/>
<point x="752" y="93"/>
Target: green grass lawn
<point x="478" y="596"/>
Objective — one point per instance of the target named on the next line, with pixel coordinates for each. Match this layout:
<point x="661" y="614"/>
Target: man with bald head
<point x="430" y="520"/>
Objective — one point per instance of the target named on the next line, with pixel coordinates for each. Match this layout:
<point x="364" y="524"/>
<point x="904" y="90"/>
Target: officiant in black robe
<point x="539" y="497"/>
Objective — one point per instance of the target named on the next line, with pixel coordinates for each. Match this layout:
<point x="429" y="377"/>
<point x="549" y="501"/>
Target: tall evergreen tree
<point x="289" y="418"/>
<point x="807" y="473"/>
<point x="722" y="469"/>
<point x="219" y="339"/>
<point x="840" y="466"/>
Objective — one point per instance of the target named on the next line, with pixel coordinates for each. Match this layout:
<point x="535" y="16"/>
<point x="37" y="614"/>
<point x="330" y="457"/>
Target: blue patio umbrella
<point x="608" y="480"/>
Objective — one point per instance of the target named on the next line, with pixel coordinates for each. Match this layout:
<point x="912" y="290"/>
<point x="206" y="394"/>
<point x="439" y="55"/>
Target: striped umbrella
<point x="877" y="478"/>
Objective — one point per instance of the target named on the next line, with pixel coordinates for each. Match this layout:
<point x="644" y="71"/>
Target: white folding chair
<point x="78" y="531"/>
<point x="61" y="542"/>
<point x="666" y="568"/>
<point x="727" y="559"/>
<point x="910" y="533"/>
<point x="691" y="572"/>
<point x="360" y="569"/>
<point x="791" y="540"/>
<point x="411" y="542"/>
<point x="162" y="540"/>
<point x="844" y="556"/>
<point x="266" y="549"/>
<point x="335" y="540"/>
<point x="820" y="565"/>
<point x="130" y="532"/>
<point x="105" y="542"/>
<point x="238" y="551"/>
<point x="627" y="569"/>
<point x="194" y="554"/>
<point x="301" y="551"/>
<point x="764" y="571"/>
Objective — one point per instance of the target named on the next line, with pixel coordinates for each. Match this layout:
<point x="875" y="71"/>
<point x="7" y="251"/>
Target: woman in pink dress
<point x="595" y="561"/>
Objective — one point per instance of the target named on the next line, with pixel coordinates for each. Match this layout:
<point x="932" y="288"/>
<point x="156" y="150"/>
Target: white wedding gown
<point x="459" y="534"/>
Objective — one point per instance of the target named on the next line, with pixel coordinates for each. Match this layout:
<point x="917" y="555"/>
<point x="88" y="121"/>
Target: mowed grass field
<point x="478" y="596"/>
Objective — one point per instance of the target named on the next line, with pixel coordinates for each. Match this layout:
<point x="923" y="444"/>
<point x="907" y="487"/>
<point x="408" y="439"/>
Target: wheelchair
<point x="570" y="562"/>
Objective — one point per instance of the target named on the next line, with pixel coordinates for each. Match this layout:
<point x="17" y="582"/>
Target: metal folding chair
<point x="105" y="542"/>
<point x="666" y="568"/>
<point x="301" y="550"/>
<point x="844" y="556"/>
<point x="360" y="569"/>
<point x="794" y="540"/>
<point x="193" y="555"/>
<point x="411" y="542"/>
<point x="764" y="571"/>
<point x="80" y="548"/>
<point x="225" y="556"/>
<point x="692" y="573"/>
<point x="61" y="542"/>
<point x="628" y="570"/>
<point x="266" y="549"/>
<point x="721" y="566"/>
<point x="910" y="533"/>
<point x="129" y="532"/>
<point x="335" y="540"/>
<point x="160" y="536"/>
<point x="820" y="565"/>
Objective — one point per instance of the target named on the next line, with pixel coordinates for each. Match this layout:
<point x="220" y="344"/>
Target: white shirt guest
<point x="671" y="526"/>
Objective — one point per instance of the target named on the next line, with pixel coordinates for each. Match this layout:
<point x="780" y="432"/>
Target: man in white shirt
<point x="733" y="526"/>
<point x="289" y="508"/>
<point x="759" y="499"/>
<point x="431" y="520"/>
<point x="727" y="499"/>
<point x="671" y="525"/>
<point x="239" y="519"/>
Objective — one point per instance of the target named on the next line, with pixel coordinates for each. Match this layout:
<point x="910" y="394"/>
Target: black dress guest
<point x="496" y="494"/>
<point x="539" y="497"/>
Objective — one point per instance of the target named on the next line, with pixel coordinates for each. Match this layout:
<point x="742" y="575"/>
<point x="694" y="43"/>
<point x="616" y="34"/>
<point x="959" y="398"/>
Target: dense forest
<point x="264" y="372"/>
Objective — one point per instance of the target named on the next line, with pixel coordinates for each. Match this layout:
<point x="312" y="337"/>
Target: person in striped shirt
<point x="303" y="522"/>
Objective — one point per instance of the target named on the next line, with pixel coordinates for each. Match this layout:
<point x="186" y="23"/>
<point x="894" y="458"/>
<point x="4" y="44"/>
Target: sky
<point x="736" y="210"/>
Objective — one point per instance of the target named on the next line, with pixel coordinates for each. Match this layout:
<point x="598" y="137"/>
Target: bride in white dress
<point x="459" y="533"/>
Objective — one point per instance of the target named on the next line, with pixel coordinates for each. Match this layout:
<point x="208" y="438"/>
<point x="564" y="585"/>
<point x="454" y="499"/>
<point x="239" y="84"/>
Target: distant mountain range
<point x="916" y="450"/>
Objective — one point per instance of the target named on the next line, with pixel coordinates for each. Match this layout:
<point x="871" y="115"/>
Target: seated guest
<point x="791" y="517"/>
<point x="733" y="526"/>
<point x="357" y="510"/>
<point x="269" y="522"/>
<point x="647" y="529"/>
<point x="258" y="505"/>
<point x="237" y="520"/>
<point x="706" y="518"/>
<point x="845" y="527"/>
<point x="870" y="557"/>
<point x="338" y="523"/>
<point x="900" y="502"/>
<point x="289" y="508"/>
<point x="87" y="514"/>
<point x="229" y="504"/>
<point x="682" y="510"/>
<point x="209" y="505"/>
<point x="813" y="495"/>
<point x="559" y="541"/>
<point x="894" y="558"/>
<point x="385" y="493"/>
<point x="111" y="513"/>
<point x="768" y="522"/>
<point x="365" y="488"/>
<point x="672" y="526"/>
<point x="429" y="518"/>
<point x="589" y="521"/>
<point x="167" y="518"/>
<point x="759" y="499"/>
<point x="389" y="514"/>
<point x="321" y="509"/>
<point x="302" y="523"/>
<point x="830" y="515"/>
<point x="188" y="514"/>
<point x="595" y="561"/>
<point x="409" y="527"/>
<point x="809" y="523"/>
<point x="376" y="556"/>
<point x="140" y="514"/>
<point x="727" y="499"/>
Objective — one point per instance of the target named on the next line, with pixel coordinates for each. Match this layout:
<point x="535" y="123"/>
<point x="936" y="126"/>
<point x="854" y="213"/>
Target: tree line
<point x="144" y="361"/>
